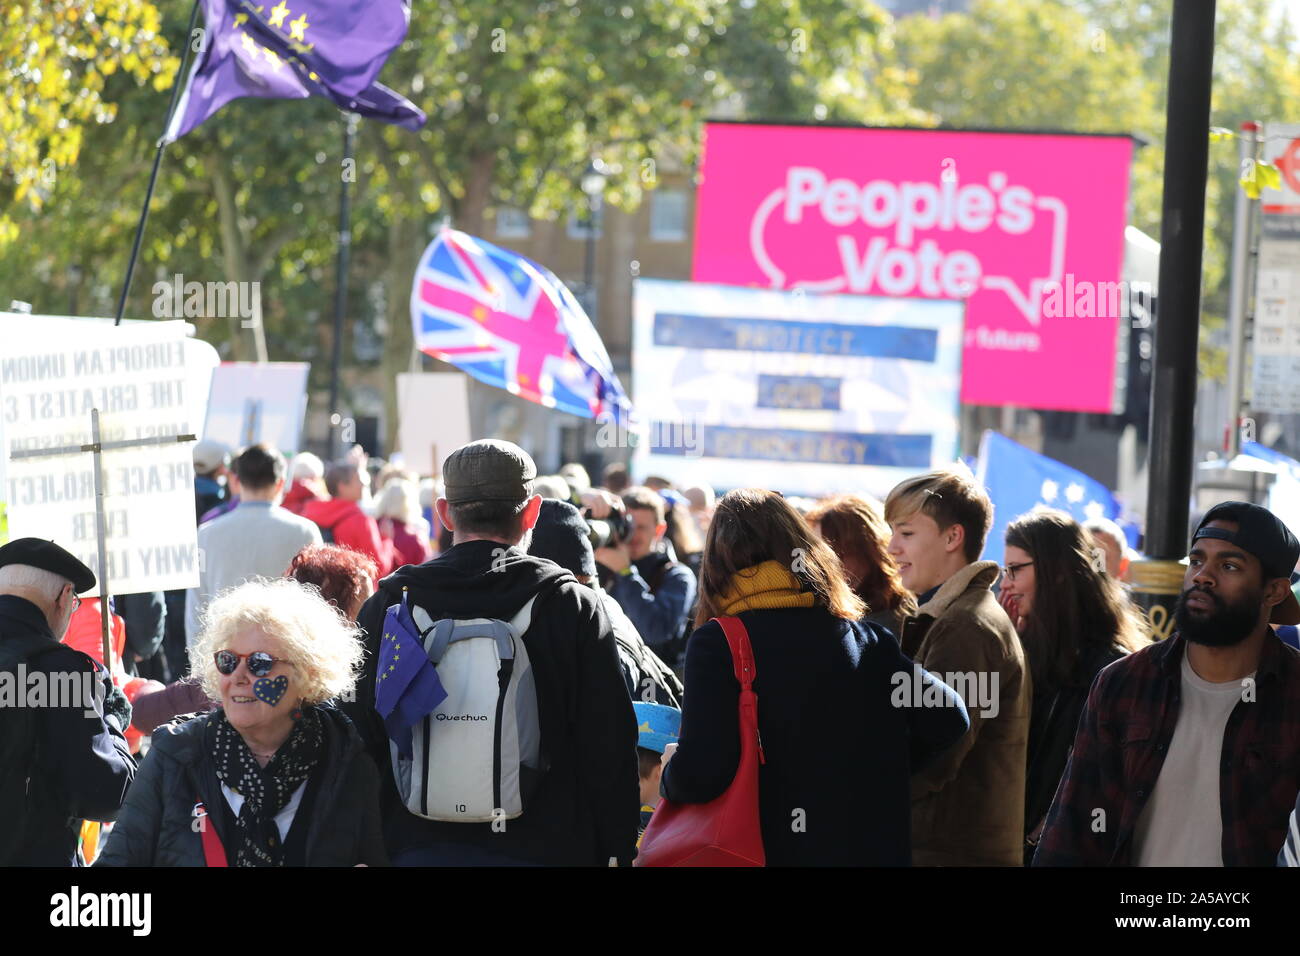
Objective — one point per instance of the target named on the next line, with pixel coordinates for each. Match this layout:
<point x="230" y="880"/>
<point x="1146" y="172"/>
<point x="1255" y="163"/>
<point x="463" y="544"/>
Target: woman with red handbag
<point x="801" y="726"/>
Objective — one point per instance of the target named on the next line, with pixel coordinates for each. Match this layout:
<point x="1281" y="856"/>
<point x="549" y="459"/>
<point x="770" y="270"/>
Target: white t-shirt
<point x="1182" y="823"/>
<point x="283" y="819"/>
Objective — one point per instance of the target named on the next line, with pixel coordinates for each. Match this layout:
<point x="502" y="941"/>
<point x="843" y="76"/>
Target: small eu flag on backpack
<point x="407" y="687"/>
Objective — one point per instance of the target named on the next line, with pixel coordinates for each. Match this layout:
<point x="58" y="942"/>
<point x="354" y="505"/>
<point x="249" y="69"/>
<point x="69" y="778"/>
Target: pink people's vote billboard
<point x="1019" y="224"/>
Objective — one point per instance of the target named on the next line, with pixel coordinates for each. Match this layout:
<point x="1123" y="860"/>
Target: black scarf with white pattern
<point x="266" y="790"/>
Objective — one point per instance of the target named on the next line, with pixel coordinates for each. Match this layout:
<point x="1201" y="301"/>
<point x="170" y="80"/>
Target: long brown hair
<point x="751" y="526"/>
<point x="1077" y="608"/>
<point x="854" y="525"/>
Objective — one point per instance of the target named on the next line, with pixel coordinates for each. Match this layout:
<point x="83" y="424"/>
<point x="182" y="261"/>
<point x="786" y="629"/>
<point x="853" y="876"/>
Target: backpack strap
<point x="438" y="635"/>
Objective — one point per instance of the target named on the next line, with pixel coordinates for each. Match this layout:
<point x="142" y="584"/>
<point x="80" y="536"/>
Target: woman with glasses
<point x="274" y="776"/>
<point x="1073" y="620"/>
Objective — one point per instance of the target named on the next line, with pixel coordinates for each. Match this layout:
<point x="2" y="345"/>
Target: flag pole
<point x="157" y="161"/>
<point x="341" y="281"/>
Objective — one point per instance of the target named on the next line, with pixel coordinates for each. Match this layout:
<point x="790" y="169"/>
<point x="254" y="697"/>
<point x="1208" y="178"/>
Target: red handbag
<point x="724" y="831"/>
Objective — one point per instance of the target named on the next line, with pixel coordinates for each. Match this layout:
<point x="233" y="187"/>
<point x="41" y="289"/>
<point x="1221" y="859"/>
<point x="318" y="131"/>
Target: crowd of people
<point x="504" y="668"/>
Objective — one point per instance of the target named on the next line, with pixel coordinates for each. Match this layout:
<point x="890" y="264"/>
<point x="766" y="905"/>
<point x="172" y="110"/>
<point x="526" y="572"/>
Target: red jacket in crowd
<point x="299" y="495"/>
<point x="408" y="546"/>
<point x="352" y="528"/>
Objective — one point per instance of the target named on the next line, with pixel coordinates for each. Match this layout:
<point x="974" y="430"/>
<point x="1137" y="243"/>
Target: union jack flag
<point x="511" y="323"/>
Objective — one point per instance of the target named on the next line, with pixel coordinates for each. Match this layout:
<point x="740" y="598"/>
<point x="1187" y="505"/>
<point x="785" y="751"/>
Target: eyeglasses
<point x="76" y="601"/>
<point x="259" y="662"/>
<point x="1011" y="570"/>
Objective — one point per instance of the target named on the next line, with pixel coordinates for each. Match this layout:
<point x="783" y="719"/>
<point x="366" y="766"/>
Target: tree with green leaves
<point x="56" y="57"/>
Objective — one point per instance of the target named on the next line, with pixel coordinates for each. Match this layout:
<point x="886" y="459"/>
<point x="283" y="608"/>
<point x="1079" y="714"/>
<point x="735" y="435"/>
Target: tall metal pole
<point x="157" y="161"/>
<point x="101" y="538"/>
<point x="1243" y="231"/>
<point x="589" y="265"/>
<point x="1157" y="582"/>
<point x="341" y="280"/>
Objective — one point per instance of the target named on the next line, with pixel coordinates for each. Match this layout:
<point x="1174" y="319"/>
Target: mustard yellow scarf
<point x="764" y="586"/>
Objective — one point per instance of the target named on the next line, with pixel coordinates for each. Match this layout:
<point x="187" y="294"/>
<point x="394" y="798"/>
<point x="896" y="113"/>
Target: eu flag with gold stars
<point x="407" y="687"/>
<point x="295" y="49"/>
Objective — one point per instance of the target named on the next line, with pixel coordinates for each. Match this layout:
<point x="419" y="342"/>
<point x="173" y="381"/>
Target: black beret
<point x="48" y="556"/>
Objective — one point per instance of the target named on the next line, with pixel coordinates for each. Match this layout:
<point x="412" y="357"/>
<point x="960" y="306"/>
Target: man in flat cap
<point x="583" y="810"/>
<point x="1188" y="751"/>
<point x="63" y="759"/>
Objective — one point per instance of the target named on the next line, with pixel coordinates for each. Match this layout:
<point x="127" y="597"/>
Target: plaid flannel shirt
<point x="1121" y="743"/>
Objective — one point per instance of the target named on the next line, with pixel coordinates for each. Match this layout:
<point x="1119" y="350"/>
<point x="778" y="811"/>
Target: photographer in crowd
<point x="562" y="535"/>
<point x="655" y="591"/>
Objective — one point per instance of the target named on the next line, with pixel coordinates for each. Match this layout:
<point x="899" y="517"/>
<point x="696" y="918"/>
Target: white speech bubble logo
<point x="806" y="183"/>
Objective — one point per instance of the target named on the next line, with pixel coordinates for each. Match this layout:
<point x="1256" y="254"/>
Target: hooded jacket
<point x="968" y="808"/>
<point x="299" y="494"/>
<point x="156" y="825"/>
<point x="351" y="528"/>
<point x="585" y="809"/>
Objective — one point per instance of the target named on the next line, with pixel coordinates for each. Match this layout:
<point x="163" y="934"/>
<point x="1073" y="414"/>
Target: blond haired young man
<point x="968" y="806"/>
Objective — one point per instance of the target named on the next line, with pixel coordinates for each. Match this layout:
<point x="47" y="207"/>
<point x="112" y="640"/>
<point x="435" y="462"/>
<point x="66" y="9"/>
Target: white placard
<point x="254" y="402"/>
<point x="433" y="412"/>
<point x="804" y="394"/>
<point x="137" y="377"/>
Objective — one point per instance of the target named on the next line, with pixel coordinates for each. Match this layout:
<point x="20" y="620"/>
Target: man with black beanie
<point x="563" y="536"/>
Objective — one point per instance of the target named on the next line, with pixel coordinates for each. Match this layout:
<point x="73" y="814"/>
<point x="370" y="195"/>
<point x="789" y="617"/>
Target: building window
<point x="577" y="228"/>
<point x="512" y="223"/>
<point x="668" y="215"/>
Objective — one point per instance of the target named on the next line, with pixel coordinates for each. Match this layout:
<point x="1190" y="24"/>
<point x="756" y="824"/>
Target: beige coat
<point x="968" y="807"/>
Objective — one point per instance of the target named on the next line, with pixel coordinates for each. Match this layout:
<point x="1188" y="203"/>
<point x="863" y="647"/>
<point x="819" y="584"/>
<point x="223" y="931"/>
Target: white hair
<point x="576" y="476"/>
<point x="551" y="486"/>
<point x="324" y="648"/>
<point x="399" y="500"/>
<point x="430" y="491"/>
<point x="306" y="466"/>
<point x="47" y="584"/>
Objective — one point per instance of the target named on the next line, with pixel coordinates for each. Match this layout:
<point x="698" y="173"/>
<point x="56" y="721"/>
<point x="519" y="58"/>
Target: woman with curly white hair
<point x="275" y="776"/>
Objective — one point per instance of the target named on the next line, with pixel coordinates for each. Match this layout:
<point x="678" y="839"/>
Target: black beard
<point x="1227" y="626"/>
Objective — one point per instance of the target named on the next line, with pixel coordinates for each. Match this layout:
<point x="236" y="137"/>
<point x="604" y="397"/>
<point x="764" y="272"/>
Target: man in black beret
<point x="63" y="758"/>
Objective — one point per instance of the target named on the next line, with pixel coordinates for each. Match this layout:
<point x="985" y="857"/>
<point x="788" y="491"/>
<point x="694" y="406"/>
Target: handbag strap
<point x="214" y="854"/>
<point x="742" y="662"/>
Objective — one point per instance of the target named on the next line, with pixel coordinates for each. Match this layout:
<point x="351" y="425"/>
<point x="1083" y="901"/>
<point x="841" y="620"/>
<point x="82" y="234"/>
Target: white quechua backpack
<point x="478" y="755"/>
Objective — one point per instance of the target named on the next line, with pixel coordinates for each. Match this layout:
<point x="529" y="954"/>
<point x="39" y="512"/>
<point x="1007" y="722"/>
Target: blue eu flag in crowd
<point x="407" y="687"/>
<point x="295" y="49"/>
<point x="1018" y="479"/>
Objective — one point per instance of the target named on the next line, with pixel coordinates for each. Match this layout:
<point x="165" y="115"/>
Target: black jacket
<point x="586" y="808"/>
<point x="156" y="828"/>
<point x="1053" y="720"/>
<point x="836" y="787"/>
<point x="81" y="765"/>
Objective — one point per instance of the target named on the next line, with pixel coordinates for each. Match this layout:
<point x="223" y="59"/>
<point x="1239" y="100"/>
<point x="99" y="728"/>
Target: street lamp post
<point x="1157" y="581"/>
<point x="593" y="184"/>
